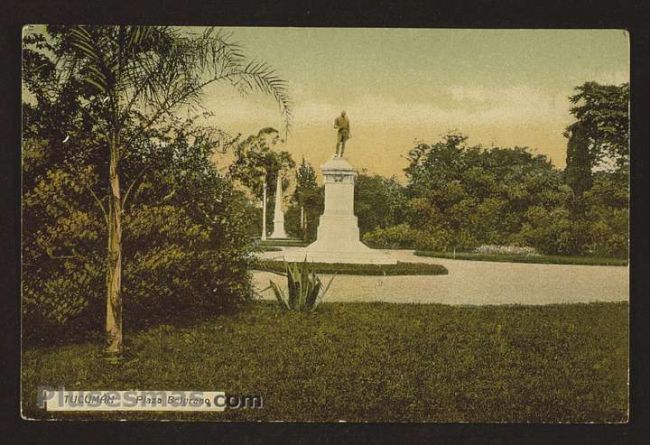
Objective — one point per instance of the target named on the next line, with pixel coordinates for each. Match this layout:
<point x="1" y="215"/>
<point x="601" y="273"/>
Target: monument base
<point x="338" y="229"/>
<point x="351" y="253"/>
<point x="278" y="234"/>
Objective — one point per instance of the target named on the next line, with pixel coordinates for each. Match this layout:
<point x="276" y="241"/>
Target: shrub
<point x="62" y="265"/>
<point x="177" y="265"/>
<point x="438" y="240"/>
<point x="186" y="252"/>
<point x="553" y="232"/>
<point x="400" y="236"/>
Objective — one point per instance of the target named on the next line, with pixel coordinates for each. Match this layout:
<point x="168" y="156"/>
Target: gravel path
<point x="477" y="283"/>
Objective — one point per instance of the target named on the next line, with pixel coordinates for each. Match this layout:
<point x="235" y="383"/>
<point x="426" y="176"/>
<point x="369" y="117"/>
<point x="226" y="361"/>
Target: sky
<point x="402" y="86"/>
<point x="399" y="86"/>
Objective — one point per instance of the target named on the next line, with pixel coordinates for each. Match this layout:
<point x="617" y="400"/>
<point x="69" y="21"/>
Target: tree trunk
<point x="114" y="259"/>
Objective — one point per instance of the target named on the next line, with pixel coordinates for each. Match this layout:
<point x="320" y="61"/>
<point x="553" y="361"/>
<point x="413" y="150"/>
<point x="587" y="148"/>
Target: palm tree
<point x="136" y="75"/>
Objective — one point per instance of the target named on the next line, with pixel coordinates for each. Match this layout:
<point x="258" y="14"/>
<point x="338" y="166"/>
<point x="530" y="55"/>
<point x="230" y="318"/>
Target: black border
<point x="631" y="15"/>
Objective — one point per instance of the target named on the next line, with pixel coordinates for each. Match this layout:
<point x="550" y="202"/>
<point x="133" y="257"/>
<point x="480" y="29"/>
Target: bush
<point x="186" y="252"/>
<point x="401" y="236"/>
<point x="62" y="264"/>
<point x="602" y="233"/>
<point x="177" y="265"/>
<point x="439" y="240"/>
<point x="552" y="232"/>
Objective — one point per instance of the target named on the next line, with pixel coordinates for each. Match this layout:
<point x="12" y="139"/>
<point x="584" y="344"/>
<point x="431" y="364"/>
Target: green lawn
<point x="359" y="269"/>
<point x="372" y="362"/>
<point x="538" y="259"/>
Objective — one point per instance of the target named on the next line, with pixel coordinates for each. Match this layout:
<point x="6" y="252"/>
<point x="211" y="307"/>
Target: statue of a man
<point x="342" y="124"/>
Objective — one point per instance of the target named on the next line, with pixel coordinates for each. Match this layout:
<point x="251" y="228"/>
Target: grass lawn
<point x="538" y="259"/>
<point x="371" y="362"/>
<point x="359" y="269"/>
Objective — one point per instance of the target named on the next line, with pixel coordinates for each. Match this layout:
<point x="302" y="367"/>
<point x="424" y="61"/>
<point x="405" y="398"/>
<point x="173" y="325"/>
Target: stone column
<point x="264" y="211"/>
<point x="278" y="214"/>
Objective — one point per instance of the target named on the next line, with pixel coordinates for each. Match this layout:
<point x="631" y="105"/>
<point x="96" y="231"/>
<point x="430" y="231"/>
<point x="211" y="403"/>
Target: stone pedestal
<point x="338" y="231"/>
<point x="278" y="214"/>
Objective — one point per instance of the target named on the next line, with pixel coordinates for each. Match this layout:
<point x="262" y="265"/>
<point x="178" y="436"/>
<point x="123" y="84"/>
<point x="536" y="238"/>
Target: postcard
<point x="325" y="224"/>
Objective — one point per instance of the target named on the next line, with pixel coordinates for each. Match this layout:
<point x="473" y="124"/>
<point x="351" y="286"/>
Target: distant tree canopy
<point x="306" y="204"/>
<point x="257" y="161"/>
<point x="600" y="136"/>
<point x="463" y="196"/>
<point x="603" y="114"/>
<point x="378" y="202"/>
<point x="460" y="197"/>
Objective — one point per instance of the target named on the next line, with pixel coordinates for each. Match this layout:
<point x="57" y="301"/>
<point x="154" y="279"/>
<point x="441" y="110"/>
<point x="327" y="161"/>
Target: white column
<point x="264" y="211"/>
<point x="278" y="215"/>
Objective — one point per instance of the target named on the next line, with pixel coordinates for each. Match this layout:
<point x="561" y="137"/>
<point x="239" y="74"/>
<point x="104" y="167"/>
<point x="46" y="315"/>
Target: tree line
<point x="458" y="196"/>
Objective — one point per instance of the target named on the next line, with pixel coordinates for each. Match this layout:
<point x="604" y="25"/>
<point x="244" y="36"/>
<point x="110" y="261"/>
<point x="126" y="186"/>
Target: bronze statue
<point x="342" y="124"/>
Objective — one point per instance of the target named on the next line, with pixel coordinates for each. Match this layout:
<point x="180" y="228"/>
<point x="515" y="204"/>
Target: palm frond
<point x="157" y="69"/>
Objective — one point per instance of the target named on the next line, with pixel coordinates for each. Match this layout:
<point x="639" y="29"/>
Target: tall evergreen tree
<point x="579" y="161"/>
<point x="306" y="194"/>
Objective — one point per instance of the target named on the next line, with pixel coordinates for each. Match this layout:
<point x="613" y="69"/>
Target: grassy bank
<point x="371" y="362"/>
<point x="359" y="269"/>
<point x="537" y="259"/>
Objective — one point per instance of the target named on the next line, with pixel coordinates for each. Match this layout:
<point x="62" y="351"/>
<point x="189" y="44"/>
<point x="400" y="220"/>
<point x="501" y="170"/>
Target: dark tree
<point x="579" y="161"/>
<point x="307" y="196"/>
<point x="603" y="111"/>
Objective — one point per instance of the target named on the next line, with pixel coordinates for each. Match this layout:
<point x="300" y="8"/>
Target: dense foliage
<point x="603" y="112"/>
<point x="256" y="167"/>
<point x="379" y="202"/>
<point x="119" y="193"/>
<point x="461" y="197"/>
<point x="186" y="251"/>
<point x="306" y="204"/>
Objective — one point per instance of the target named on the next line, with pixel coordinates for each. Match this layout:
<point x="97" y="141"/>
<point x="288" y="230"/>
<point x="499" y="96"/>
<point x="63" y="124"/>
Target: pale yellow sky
<point x="501" y="87"/>
<point x="398" y="86"/>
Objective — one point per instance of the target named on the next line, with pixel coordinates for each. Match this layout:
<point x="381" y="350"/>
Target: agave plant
<point x="305" y="289"/>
